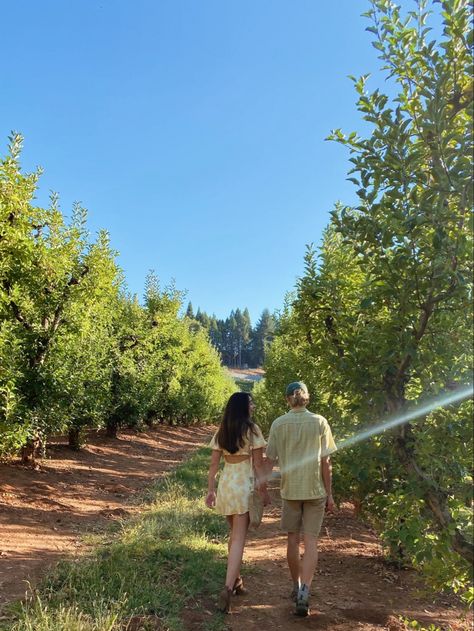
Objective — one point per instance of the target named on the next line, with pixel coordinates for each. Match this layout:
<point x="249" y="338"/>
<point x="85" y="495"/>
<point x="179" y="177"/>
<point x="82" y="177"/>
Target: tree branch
<point x="15" y="308"/>
<point x="329" y="324"/>
<point x="434" y="497"/>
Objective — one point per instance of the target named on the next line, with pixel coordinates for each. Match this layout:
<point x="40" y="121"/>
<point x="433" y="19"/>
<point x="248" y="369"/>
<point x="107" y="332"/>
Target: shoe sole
<point x="302" y="610"/>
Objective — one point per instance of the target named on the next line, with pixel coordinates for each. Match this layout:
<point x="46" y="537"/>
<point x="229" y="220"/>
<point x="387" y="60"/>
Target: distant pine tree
<point x="262" y="337"/>
<point x="237" y="342"/>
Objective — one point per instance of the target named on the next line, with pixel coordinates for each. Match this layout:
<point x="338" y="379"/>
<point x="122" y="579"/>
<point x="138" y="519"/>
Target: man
<point x="302" y="442"/>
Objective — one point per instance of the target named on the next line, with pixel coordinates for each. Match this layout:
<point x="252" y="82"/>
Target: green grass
<point x="244" y="385"/>
<point x="170" y="558"/>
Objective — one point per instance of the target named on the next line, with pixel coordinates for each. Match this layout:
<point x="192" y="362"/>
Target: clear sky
<point x="192" y="130"/>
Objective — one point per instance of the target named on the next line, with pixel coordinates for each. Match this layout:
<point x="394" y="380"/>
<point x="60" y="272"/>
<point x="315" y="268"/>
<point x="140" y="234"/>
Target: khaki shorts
<point x="304" y="515"/>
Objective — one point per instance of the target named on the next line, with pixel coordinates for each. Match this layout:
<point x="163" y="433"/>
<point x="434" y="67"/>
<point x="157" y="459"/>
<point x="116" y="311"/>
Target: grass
<point x="161" y="571"/>
<point x="244" y="385"/>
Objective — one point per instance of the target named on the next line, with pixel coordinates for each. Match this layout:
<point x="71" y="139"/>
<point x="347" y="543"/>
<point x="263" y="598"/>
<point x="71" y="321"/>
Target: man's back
<point x="299" y="439"/>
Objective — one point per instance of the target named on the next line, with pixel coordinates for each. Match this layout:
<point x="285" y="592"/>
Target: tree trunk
<point x="435" y="498"/>
<point x="149" y="418"/>
<point x="111" y="428"/>
<point x="29" y="451"/>
<point x="74" y="438"/>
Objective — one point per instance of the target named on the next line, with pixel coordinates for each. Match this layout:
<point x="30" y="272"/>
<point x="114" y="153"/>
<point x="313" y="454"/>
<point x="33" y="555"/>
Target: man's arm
<point x="268" y="465"/>
<point x="261" y="469"/>
<point x="271" y="457"/>
<point x="326" y="470"/>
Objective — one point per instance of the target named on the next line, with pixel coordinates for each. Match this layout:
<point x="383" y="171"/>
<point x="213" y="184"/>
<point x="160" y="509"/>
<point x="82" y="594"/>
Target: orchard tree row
<point x="238" y="343"/>
<point x="383" y="312"/>
<point x="76" y="350"/>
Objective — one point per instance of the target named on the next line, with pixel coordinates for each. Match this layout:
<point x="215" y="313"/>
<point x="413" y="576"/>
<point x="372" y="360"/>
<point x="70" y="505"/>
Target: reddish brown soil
<point x="44" y="512"/>
<point x="353" y="588"/>
<point x="249" y="371"/>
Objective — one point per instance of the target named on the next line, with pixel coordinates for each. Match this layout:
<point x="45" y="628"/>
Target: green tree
<point x="79" y="366"/>
<point x="242" y="334"/>
<point x="189" y="311"/>
<point x="382" y="315"/>
<point x="262" y="337"/>
<point x="411" y="230"/>
<point x="42" y="276"/>
<point x="78" y="352"/>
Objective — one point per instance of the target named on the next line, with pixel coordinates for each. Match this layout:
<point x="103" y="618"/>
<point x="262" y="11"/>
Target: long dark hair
<point x="236" y="423"/>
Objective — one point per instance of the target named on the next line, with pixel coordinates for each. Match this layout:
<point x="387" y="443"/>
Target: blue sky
<point x="193" y="131"/>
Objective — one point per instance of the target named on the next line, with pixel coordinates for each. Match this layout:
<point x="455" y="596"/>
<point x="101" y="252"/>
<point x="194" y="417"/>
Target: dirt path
<point x="45" y="512"/>
<point x="247" y="374"/>
<point x="353" y="588"/>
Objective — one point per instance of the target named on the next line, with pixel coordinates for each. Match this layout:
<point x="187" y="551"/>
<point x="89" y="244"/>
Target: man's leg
<point x="308" y="567"/>
<point x="310" y="559"/>
<point x="313" y="514"/>
<point x="293" y="556"/>
<point x="291" y="517"/>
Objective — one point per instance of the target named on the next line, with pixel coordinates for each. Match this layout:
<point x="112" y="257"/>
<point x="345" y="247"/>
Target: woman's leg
<point x="229" y="523"/>
<point x="240" y="524"/>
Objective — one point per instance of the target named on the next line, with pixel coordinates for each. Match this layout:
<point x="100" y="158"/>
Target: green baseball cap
<point x="296" y="385"/>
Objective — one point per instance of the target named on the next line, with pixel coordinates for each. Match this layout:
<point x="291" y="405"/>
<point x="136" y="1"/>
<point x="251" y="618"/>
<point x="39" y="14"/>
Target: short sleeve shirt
<point x="298" y="440"/>
<point x="253" y="440"/>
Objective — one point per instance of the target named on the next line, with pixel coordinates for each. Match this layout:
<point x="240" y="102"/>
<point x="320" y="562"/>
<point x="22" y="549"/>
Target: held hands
<point x="211" y="499"/>
<point x="264" y="494"/>
<point x="266" y="497"/>
<point x="330" y="505"/>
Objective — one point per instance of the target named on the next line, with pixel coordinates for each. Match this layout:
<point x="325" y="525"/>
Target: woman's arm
<point x="258" y="463"/>
<point x="261" y="470"/>
<point x="211" y="478"/>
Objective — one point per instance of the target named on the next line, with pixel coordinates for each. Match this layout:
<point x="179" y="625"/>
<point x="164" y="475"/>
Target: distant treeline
<point x="239" y="343"/>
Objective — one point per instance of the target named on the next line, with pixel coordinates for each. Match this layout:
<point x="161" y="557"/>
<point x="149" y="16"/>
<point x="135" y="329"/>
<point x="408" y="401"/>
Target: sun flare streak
<point x="420" y="410"/>
<point x="417" y="411"/>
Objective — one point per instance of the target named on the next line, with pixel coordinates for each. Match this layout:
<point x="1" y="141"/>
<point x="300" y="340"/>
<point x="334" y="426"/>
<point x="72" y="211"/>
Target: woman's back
<point x="253" y="439"/>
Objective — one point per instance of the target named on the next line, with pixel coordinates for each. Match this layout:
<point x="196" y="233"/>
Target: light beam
<point x="417" y="411"/>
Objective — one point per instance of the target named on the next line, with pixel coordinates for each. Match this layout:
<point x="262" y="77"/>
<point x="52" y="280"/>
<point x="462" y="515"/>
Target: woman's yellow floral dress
<point x="236" y="479"/>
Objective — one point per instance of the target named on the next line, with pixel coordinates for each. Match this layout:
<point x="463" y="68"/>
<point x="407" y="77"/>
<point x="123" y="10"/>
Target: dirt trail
<point x="45" y="512"/>
<point x="353" y="587"/>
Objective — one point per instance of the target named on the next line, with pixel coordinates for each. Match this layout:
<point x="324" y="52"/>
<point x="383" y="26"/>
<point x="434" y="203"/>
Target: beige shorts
<point x="303" y="515"/>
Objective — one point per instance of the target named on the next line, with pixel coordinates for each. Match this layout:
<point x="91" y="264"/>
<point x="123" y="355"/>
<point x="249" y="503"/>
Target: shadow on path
<point x="353" y="587"/>
<point x="45" y="512"/>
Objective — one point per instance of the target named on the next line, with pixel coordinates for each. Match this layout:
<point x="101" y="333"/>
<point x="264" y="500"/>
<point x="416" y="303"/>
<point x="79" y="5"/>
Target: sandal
<point x="223" y="602"/>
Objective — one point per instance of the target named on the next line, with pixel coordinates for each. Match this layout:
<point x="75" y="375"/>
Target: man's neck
<point x="301" y="408"/>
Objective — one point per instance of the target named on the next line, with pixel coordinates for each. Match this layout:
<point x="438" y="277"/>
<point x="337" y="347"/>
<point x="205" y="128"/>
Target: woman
<point x="236" y="439"/>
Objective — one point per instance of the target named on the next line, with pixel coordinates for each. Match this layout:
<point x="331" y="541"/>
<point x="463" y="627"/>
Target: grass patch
<point x="161" y="571"/>
<point x="244" y="385"/>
